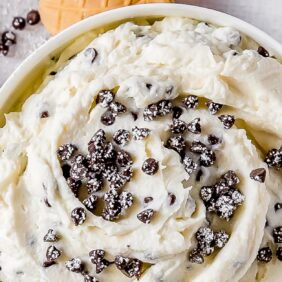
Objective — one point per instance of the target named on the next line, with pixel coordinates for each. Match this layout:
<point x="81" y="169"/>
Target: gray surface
<point x="265" y="14"/>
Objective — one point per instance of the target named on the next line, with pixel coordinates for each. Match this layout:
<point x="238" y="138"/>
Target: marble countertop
<point x="267" y="15"/>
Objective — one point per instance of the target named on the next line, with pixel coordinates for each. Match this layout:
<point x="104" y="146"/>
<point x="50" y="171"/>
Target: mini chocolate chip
<point x="117" y="108"/>
<point x="134" y="115"/>
<point x="51" y="236"/>
<point x="124" y="159"/>
<point x="140" y="133"/>
<point x="176" y="112"/>
<point x="110" y="153"/>
<point x="263" y="52"/>
<point x="105" y="98"/>
<point x="258" y="175"/>
<point x="129" y="266"/>
<point x="213" y="107"/>
<point x="207" y="158"/>
<point x="44" y="114"/>
<point x="146" y="216"/>
<point x="196" y="257"/>
<point x="33" y="17"/>
<point x="227" y="120"/>
<point x="213" y="140"/>
<point x="148" y="200"/>
<point x="220" y="239"/>
<point x="53" y="253"/>
<point x="90" y="202"/>
<point x="178" y="126"/>
<point x="225" y="207"/>
<point x="205" y="234"/>
<point x="101" y="265"/>
<point x="198" y="147"/>
<point x="75" y="265"/>
<point x="277" y="206"/>
<point x="277" y="234"/>
<point x="164" y="107"/>
<point x="52" y="73"/>
<point x="94" y="182"/>
<point x="237" y="197"/>
<point x="264" y="255"/>
<point x="150" y="112"/>
<point x="9" y="38"/>
<point x="18" y="23"/>
<point x="4" y="50"/>
<point x="274" y="158"/>
<point x="78" y="171"/>
<point x="113" y="206"/>
<point x="279" y="253"/>
<point x="121" y="137"/>
<point x="66" y="171"/>
<point x="97" y="142"/>
<point x="176" y="143"/>
<point x="150" y="166"/>
<point x="221" y="187"/>
<point x="89" y="278"/>
<point x="231" y="178"/>
<point x="169" y="89"/>
<point x="74" y="185"/>
<point x="126" y="200"/>
<point x="97" y="255"/>
<point x="65" y="152"/>
<point x="199" y="175"/>
<point x="171" y="198"/>
<point x="194" y="126"/>
<point x="108" y="118"/>
<point x="48" y="263"/>
<point x="78" y="216"/>
<point x="205" y="249"/>
<point x="148" y="86"/>
<point x="91" y="53"/>
<point x="206" y="193"/>
<point x="191" y="102"/>
<point x="189" y="165"/>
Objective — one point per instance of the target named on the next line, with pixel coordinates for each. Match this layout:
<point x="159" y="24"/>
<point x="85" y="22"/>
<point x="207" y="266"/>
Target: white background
<point x="265" y="14"/>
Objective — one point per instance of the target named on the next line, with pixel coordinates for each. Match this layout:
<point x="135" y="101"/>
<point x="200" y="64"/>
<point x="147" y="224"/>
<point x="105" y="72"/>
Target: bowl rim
<point x="129" y="12"/>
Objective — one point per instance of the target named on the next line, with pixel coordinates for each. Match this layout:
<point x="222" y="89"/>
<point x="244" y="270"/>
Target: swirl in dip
<point x="153" y="155"/>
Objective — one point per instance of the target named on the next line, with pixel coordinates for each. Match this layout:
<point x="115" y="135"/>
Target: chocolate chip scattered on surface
<point x="146" y="216"/>
<point x="227" y="121"/>
<point x="277" y="234"/>
<point x="105" y="98"/>
<point x="258" y="175"/>
<point x="78" y="216"/>
<point x="194" y="126"/>
<point x="213" y="108"/>
<point x="274" y="158"/>
<point x="264" y="255"/>
<point x="150" y="166"/>
<point x="53" y="253"/>
<point x="65" y="152"/>
<point x="191" y="102"/>
<point x="33" y="17"/>
<point x="121" y="137"/>
<point x="51" y="236"/>
<point x="19" y="23"/>
<point x="75" y="265"/>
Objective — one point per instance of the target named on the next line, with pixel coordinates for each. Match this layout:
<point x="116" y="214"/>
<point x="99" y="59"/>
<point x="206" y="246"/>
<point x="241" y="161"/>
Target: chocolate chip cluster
<point x="104" y="162"/>
<point x="223" y="198"/>
<point x="207" y="242"/>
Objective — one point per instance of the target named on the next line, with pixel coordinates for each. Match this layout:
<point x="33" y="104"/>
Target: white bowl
<point x="16" y="86"/>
